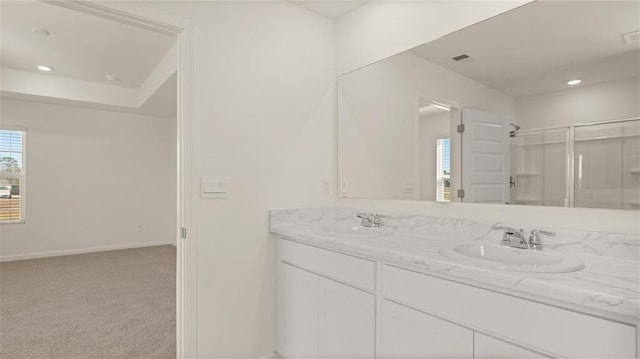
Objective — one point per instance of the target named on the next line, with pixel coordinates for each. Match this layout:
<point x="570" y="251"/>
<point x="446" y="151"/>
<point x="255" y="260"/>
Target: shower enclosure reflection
<point x="539" y="167"/>
<point x="587" y="165"/>
<point x="607" y="165"/>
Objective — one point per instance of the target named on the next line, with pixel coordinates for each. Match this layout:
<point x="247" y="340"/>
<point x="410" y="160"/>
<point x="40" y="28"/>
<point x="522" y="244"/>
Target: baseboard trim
<point x="174" y="243"/>
<point x="272" y="355"/>
<point x="19" y="257"/>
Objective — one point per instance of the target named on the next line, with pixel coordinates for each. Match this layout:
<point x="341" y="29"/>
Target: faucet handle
<point x="508" y="231"/>
<point x="546" y="233"/>
<point x="377" y="219"/>
<point x="537" y="232"/>
<point x="371" y="219"/>
<point x="506" y="235"/>
<point x="509" y="234"/>
<point x="365" y="216"/>
<point x="534" y="237"/>
<point x="372" y="216"/>
<point x="506" y="228"/>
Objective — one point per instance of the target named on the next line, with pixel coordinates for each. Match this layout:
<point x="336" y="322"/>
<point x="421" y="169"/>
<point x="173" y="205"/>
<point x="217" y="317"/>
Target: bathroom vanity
<point x="348" y="291"/>
<point x="485" y="114"/>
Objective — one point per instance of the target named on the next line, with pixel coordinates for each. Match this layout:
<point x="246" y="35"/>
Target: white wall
<point x="95" y="180"/>
<point x="432" y="128"/>
<point x="265" y="110"/>
<point x="378" y="127"/>
<point x="380" y="29"/>
<point x="606" y="101"/>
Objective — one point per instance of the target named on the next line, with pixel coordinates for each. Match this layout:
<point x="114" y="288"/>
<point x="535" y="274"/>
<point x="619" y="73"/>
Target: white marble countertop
<point x="608" y="285"/>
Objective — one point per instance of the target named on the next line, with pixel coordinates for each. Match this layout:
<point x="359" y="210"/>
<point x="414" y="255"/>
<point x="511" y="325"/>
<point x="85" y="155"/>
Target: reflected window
<point x="443" y="170"/>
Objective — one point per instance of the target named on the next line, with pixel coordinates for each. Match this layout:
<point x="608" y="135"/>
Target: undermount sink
<point x="353" y="230"/>
<point x="513" y="259"/>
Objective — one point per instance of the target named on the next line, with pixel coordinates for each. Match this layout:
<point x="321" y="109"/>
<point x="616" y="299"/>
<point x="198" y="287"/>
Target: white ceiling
<point x="330" y="9"/>
<point x="83" y="49"/>
<point x="81" y="46"/>
<point x="538" y="47"/>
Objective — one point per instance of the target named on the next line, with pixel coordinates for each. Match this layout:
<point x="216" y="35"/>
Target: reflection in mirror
<point x="607" y="165"/>
<point x="435" y="151"/>
<point x="539" y="167"/>
<point x="537" y="106"/>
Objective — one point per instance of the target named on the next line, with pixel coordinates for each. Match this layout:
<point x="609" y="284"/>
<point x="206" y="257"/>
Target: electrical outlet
<point x="344" y="186"/>
<point x="325" y="186"/>
<point x="408" y="186"/>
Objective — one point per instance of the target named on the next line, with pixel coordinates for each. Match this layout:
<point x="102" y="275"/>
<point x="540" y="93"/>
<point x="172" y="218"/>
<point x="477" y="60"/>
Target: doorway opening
<point x="88" y="104"/>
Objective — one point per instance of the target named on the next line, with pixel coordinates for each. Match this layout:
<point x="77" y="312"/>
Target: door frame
<point x="187" y="157"/>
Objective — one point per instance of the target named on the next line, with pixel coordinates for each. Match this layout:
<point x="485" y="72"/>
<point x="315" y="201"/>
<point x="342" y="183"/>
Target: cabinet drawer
<point x="351" y="270"/>
<point x="543" y="327"/>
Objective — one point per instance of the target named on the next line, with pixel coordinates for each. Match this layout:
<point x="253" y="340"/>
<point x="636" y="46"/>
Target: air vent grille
<point x="461" y="57"/>
<point x="633" y="36"/>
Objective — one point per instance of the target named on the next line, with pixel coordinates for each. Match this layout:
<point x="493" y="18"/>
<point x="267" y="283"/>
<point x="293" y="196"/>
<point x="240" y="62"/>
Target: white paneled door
<point x="485" y="157"/>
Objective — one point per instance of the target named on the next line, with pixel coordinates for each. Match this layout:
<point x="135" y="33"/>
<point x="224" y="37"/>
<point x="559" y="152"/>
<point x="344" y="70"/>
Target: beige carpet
<point x="118" y="304"/>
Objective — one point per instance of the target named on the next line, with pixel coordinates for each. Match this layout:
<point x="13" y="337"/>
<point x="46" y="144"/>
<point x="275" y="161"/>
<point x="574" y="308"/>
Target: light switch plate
<point x="408" y="186"/>
<point x="212" y="187"/>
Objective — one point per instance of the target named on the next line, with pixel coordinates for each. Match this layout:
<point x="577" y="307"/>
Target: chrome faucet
<point x="515" y="237"/>
<point x="512" y="237"/>
<point x="534" y="238"/>
<point x="370" y="220"/>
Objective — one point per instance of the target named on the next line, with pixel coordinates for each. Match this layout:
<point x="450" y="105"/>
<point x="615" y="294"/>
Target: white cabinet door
<point x="408" y="333"/>
<point x="347" y="321"/>
<point x="486" y="347"/>
<point x="297" y="322"/>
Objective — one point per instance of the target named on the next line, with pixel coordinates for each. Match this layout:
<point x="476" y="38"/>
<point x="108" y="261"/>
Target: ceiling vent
<point x="633" y="36"/>
<point x="462" y="58"/>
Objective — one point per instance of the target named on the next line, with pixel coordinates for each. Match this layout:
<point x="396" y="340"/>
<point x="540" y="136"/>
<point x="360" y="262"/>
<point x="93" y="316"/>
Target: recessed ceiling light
<point x="40" y="31"/>
<point x="573" y="82"/>
<point x="45" y="68"/>
<point x="111" y="78"/>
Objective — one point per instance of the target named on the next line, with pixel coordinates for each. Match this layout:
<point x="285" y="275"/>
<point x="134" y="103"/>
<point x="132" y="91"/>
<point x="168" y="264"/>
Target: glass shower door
<point x="539" y="167"/>
<point x="607" y="165"/>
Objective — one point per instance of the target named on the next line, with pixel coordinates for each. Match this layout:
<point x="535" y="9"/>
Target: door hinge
<point x="460" y="128"/>
<point x="183" y="233"/>
<point x="460" y="193"/>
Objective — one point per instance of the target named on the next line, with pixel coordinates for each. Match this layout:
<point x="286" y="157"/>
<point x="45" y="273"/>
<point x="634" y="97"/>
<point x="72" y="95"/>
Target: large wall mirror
<point x="536" y="106"/>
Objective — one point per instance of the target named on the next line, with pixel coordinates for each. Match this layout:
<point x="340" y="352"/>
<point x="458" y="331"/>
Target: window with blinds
<point x="443" y="170"/>
<point x="12" y="175"/>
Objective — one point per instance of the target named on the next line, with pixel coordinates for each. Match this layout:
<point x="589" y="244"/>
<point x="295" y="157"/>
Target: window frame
<point x="22" y="176"/>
